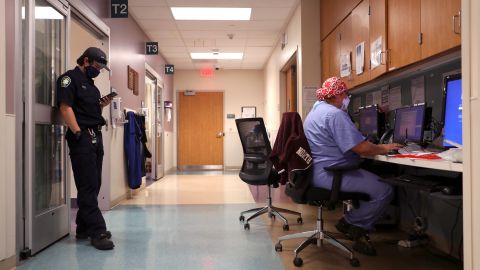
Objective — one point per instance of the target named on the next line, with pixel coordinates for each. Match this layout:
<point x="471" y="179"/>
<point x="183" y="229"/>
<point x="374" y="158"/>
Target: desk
<point x="437" y="164"/>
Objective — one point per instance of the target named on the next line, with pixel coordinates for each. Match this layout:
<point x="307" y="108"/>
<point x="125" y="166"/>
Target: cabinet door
<point x="438" y="26"/>
<point x="331" y="55"/>
<point x="360" y="33"/>
<point x="345" y="43"/>
<point x="378" y="31"/>
<point x="403" y="32"/>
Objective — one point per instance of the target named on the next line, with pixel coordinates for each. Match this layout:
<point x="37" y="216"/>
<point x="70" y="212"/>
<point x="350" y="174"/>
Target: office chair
<point x="257" y="169"/>
<point x="323" y="198"/>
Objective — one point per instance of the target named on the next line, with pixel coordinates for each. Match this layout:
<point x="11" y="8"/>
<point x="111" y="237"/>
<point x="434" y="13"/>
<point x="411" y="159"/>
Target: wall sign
<point x="169" y="69"/>
<point x="119" y="8"/>
<point x="151" y="47"/>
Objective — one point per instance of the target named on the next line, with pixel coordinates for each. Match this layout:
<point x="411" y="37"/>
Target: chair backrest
<point x="256" y="168"/>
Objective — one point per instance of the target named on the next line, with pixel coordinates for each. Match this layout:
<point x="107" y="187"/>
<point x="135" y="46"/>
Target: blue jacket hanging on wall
<point x="132" y="143"/>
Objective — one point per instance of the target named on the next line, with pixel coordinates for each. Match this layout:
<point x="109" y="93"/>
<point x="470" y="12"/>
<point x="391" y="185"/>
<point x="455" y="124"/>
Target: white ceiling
<point x="177" y="39"/>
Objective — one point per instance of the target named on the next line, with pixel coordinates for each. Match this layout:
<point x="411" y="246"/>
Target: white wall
<point x="277" y="60"/>
<point x="7" y="163"/>
<point x="240" y="87"/>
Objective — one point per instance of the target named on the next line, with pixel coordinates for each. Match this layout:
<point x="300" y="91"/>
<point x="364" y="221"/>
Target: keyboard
<point x="411" y="148"/>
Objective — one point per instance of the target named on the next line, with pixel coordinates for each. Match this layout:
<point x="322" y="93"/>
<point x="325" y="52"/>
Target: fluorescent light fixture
<point x="45" y="13"/>
<point x="228" y="56"/>
<point x="211" y="13"/>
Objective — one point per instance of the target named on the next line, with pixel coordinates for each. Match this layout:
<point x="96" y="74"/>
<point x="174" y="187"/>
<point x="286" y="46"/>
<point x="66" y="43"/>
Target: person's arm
<point x="366" y="148"/>
<point x="69" y="116"/>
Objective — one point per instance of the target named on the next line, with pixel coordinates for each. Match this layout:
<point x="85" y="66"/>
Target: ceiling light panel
<point x="211" y="14"/>
<point x="209" y="55"/>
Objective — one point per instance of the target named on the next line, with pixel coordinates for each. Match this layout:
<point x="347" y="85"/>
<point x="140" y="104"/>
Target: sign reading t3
<point x="119" y="8"/>
<point x="151" y="47"/>
<point x="169" y="69"/>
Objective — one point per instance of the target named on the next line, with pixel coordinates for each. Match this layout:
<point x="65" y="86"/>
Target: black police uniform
<point x="75" y="89"/>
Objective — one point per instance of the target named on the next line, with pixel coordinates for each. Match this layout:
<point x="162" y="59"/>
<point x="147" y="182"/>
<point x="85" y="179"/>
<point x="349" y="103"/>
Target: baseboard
<point x="232" y="168"/>
<point x="117" y="200"/>
<point x="8" y="263"/>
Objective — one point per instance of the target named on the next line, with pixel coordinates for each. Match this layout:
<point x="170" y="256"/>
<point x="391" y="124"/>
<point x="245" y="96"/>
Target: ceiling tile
<point x="142" y="13"/>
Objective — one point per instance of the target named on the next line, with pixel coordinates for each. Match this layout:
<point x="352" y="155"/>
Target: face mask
<point x="345" y="103"/>
<point x="92" y="72"/>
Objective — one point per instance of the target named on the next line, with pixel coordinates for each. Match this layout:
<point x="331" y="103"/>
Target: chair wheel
<point x="246" y="226"/>
<point x="297" y="261"/>
<point x="278" y="247"/>
<point x="300" y="220"/>
<point x="286" y="227"/>
<point x="354" y="262"/>
<point x="241" y="218"/>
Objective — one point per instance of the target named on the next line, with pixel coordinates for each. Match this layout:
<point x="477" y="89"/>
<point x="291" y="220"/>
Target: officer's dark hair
<point x="80" y="60"/>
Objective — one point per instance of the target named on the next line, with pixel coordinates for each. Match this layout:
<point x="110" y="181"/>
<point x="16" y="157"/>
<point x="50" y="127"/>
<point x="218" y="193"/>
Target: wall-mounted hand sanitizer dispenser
<point x="116" y="111"/>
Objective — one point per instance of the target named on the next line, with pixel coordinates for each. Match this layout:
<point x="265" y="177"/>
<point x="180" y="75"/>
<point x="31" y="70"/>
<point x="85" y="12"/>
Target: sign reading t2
<point x="119" y="8"/>
<point x="151" y="47"/>
<point x="169" y="69"/>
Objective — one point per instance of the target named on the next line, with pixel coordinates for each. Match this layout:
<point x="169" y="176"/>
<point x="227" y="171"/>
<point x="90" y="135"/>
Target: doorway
<point x="200" y="129"/>
<point x="289" y="73"/>
<point x="154" y="124"/>
<point x="45" y="197"/>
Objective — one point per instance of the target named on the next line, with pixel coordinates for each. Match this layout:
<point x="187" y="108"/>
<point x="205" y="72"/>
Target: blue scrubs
<point x="332" y="135"/>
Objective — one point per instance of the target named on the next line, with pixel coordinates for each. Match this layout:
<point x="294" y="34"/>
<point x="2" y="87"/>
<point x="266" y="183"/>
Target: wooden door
<point x="345" y="47"/>
<point x="331" y="55"/>
<point x="200" y="130"/>
<point x="360" y="33"/>
<point x="403" y="32"/>
<point x="439" y="26"/>
<point x="378" y="29"/>
<point x="291" y="87"/>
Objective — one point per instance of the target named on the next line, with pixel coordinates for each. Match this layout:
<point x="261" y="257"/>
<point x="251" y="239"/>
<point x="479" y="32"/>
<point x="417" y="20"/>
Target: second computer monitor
<point x="452" y="113"/>
<point x="370" y="122"/>
<point x="409" y="124"/>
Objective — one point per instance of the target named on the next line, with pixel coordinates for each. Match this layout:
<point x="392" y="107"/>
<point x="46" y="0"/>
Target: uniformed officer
<point x="81" y="106"/>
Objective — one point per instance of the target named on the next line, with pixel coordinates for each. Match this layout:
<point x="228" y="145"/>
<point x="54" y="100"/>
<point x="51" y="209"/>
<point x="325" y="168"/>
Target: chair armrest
<point x="337" y="171"/>
<point x="255" y="158"/>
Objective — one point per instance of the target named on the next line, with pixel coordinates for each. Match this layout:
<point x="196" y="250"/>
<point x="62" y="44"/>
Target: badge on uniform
<point x="93" y="136"/>
<point x="65" y="81"/>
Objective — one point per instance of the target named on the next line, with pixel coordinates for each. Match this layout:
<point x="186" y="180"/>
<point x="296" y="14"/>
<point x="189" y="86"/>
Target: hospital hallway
<point x="191" y="221"/>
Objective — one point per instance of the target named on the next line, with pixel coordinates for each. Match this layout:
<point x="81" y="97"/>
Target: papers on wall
<point x="356" y="103"/>
<point x="374" y="98"/>
<point x="376" y="52"/>
<point x="395" y="98"/>
<point x="345" y="65"/>
<point x="418" y="90"/>
<point x="309" y="98"/>
<point x="359" y="58"/>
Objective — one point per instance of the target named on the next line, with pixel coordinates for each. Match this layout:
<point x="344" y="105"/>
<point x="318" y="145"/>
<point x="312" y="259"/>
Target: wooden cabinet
<point x="419" y="29"/>
<point x="440" y="25"/>
<point x="403" y="32"/>
<point x="360" y="33"/>
<point x="331" y="55"/>
<point x="378" y="31"/>
<point x="332" y="12"/>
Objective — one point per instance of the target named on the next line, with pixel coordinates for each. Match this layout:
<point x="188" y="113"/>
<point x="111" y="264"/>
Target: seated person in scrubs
<point x="334" y="139"/>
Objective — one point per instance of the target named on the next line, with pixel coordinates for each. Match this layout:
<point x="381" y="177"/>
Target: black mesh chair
<point x="323" y="198"/>
<point x="257" y="169"/>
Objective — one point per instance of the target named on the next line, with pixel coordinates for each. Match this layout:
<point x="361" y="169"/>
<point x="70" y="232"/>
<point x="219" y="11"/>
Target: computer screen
<point x="368" y="121"/>
<point x="409" y="124"/>
<point x="452" y="116"/>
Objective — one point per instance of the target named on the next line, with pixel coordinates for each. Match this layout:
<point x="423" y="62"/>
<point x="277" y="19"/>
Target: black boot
<point x="102" y="242"/>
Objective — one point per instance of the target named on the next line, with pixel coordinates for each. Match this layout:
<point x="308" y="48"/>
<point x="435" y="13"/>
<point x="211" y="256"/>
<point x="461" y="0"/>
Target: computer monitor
<point x="371" y="122"/>
<point x="452" y="112"/>
<point x="409" y="124"/>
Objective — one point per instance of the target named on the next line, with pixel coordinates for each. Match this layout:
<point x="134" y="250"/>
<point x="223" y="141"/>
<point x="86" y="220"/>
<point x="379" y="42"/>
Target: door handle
<point x="220" y="134"/>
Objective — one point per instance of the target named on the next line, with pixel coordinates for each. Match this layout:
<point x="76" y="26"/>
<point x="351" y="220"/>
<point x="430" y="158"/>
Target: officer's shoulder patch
<point x="65" y="81"/>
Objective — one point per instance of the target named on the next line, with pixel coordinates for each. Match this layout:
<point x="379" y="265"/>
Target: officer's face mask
<point x="345" y="103"/>
<point x="92" y="72"/>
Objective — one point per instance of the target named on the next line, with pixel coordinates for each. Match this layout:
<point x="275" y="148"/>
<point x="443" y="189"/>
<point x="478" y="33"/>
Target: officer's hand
<point x="104" y="101"/>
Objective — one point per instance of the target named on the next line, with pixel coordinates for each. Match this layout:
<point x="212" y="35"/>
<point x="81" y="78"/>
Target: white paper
<point x="169" y="115"/>
<point x="376" y="52"/>
<point x="356" y="103"/>
<point x="345" y="65"/>
<point x="377" y="97"/>
<point x="395" y="98"/>
<point x="309" y="98"/>
<point x="418" y="90"/>
<point x="359" y="58"/>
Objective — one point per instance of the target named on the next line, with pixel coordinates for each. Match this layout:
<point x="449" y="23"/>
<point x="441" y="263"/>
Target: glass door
<point x="159" y="153"/>
<point x="45" y="197"/>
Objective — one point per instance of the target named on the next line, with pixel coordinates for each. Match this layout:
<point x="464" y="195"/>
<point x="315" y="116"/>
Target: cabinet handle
<point x="454" y="23"/>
